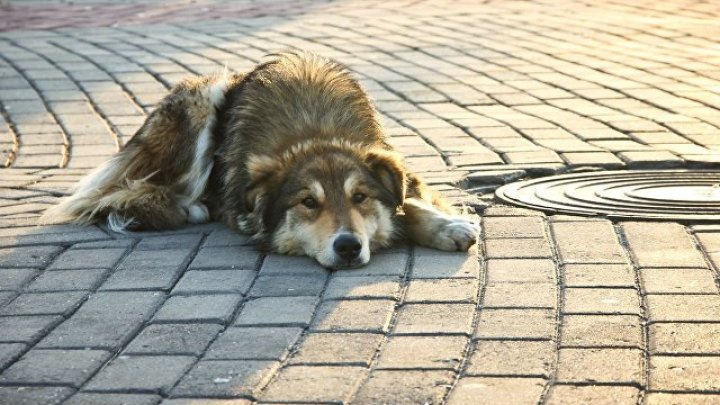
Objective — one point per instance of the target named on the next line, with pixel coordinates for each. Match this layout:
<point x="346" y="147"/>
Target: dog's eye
<point x="310" y="203"/>
<point x="357" y="198"/>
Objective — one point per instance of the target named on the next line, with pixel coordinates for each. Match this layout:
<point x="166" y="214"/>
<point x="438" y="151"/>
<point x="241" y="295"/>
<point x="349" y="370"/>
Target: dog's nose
<point x="347" y="246"/>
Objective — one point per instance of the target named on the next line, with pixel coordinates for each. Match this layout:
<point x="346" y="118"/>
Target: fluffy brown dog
<point x="291" y="153"/>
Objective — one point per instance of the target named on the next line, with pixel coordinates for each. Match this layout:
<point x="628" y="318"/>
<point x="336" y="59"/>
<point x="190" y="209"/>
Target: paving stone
<point x="51" y="303"/>
<point x="660" y="398"/>
<point x="88" y="259"/>
<point x="253" y="343"/>
<point x="9" y="352"/>
<point x="435" y="264"/>
<point x="404" y="387"/>
<point x="226" y="237"/>
<point x="141" y="373"/>
<point x="105" y="321"/>
<point x="65" y="367"/>
<point x="601" y="301"/>
<point x="600" y="366"/>
<point x="511" y="358"/>
<point x="26" y="329"/>
<point x="515" y="324"/>
<point x="313" y="384"/>
<point x="225" y="378"/>
<point x="592" y="394"/>
<point x="520" y="295"/>
<point x="677" y="281"/>
<point x="598" y="275"/>
<point x="214" y="281"/>
<point x="231" y="257"/>
<point x="178" y="339"/>
<point x="601" y="331"/>
<point x="337" y="349"/>
<point x="490" y="391"/>
<point x="527" y="248"/>
<point x="683" y="308"/>
<point x="15" y="279"/>
<point x="68" y="280"/>
<point x="422" y="352"/>
<point x="663" y="245"/>
<point x="442" y="290"/>
<point x="520" y="270"/>
<point x="684" y="373"/>
<point x="83" y="398"/>
<point x="288" y="286"/>
<point x="605" y="160"/>
<point x="587" y="242"/>
<point x="650" y="159"/>
<point x="684" y="338"/>
<point x="353" y="316"/>
<point x="34" y="395"/>
<point x="28" y="256"/>
<point x="278" y="311"/>
<point x="206" y="401"/>
<point x="362" y="287"/>
<point x="198" y="308"/>
<point x="513" y="227"/>
<point x="169" y="242"/>
<point x="435" y="318"/>
<point x="290" y="265"/>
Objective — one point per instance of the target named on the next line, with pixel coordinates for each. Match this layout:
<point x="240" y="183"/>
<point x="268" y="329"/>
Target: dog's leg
<point x="429" y="225"/>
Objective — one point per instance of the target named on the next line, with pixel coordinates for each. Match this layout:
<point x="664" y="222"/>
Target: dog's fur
<point x="291" y="153"/>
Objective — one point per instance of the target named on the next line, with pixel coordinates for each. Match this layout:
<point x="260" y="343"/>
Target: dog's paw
<point x="198" y="213"/>
<point x="456" y="234"/>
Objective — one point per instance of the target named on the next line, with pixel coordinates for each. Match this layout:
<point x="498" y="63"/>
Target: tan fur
<point x="252" y="149"/>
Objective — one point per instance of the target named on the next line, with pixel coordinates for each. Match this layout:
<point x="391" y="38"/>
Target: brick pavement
<point x="549" y="309"/>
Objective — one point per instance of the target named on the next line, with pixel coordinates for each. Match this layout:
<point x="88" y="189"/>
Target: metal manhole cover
<point x="682" y="195"/>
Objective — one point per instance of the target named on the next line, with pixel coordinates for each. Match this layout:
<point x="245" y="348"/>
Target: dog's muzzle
<point x="347" y="246"/>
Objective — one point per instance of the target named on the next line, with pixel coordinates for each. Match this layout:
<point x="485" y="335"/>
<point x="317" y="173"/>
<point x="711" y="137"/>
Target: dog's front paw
<point x="198" y="213"/>
<point x="456" y="234"/>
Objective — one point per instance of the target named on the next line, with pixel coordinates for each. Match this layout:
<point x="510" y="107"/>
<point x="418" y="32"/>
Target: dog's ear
<point x="389" y="169"/>
<point x="261" y="170"/>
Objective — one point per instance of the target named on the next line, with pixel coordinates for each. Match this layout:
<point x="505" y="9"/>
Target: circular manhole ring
<point x="614" y="194"/>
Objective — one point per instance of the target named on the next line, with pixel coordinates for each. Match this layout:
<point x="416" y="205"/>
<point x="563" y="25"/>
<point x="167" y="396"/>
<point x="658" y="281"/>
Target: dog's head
<point x="335" y="203"/>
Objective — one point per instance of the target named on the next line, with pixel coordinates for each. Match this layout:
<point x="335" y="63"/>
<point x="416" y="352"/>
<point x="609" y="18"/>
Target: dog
<point x="292" y="153"/>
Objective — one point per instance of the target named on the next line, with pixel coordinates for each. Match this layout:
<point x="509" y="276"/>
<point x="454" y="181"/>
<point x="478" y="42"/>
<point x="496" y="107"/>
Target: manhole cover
<point x="652" y="194"/>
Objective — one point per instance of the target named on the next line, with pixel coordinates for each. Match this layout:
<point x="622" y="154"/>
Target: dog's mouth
<point x="347" y="251"/>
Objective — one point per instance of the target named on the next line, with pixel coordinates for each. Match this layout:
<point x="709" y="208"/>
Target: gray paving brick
<point x="595" y="365"/>
<point x="83" y="398"/>
<point x="489" y="390"/>
<point x="105" y="321"/>
<point x="442" y="290"/>
<point x="66" y="367"/>
<point x="9" y="352"/>
<point x="664" y="245"/>
<point x="213" y="281"/>
<point x="288" y="286"/>
<point x="225" y="378"/>
<point x="198" y="308"/>
<point x="435" y="264"/>
<point x="404" y="387"/>
<point x="422" y="352"/>
<point x="677" y="281"/>
<point x="601" y="301"/>
<point x="683" y="308"/>
<point x="88" y="259"/>
<point x="290" y="265"/>
<point x="27" y="329"/>
<point x="316" y="384"/>
<point x="254" y="343"/>
<point x="659" y="398"/>
<point x="601" y="331"/>
<point x="520" y="270"/>
<point x="684" y="338"/>
<point x="28" y="256"/>
<point x="15" y="279"/>
<point x="66" y="280"/>
<point x="362" y="287"/>
<point x="513" y="227"/>
<point x="435" y="318"/>
<point x="520" y="295"/>
<point x="169" y="242"/>
<point x="25" y="395"/>
<point x="511" y="358"/>
<point x="683" y="373"/>
<point x="353" y="316"/>
<point x="140" y="373"/>
<point x="232" y="257"/>
<point x="51" y="303"/>
<point x="515" y="324"/>
<point x="7" y="296"/>
<point x="592" y="394"/>
<point x="278" y="311"/>
<point x="226" y="237"/>
<point x="587" y="242"/>
<point x="176" y="339"/>
<point x="598" y="275"/>
<point x="527" y="248"/>
<point x="337" y="349"/>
